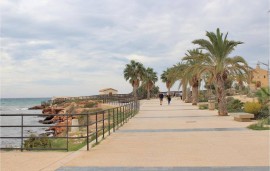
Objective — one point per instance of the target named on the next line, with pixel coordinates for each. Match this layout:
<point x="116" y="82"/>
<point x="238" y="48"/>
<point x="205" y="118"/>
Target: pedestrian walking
<point x="169" y="99"/>
<point x="161" y="98"/>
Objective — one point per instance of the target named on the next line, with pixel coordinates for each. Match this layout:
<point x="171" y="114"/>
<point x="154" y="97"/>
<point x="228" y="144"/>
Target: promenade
<point x="168" y="137"/>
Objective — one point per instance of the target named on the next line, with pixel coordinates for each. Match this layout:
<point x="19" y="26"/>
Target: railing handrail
<point x="122" y="114"/>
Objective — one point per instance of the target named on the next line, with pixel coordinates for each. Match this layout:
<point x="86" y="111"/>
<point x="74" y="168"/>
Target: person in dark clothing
<point x="161" y="98"/>
<point x="169" y="99"/>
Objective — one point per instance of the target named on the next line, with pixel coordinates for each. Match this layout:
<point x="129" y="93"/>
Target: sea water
<point x="19" y="106"/>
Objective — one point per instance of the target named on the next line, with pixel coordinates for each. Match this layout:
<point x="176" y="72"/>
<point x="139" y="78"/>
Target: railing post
<point x="96" y="129"/>
<point x="87" y="136"/>
<point x="67" y="131"/>
<point x="117" y="117"/>
<point x="122" y="113"/>
<point x="130" y="109"/>
<point x="124" y="117"/>
<point x="113" y="121"/>
<point x="22" y="133"/>
<point x="109" y="122"/>
<point x="103" y="127"/>
<point x="126" y="113"/>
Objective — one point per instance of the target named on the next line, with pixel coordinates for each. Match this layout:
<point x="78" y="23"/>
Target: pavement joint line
<point x="180" y="130"/>
<point x="155" y="117"/>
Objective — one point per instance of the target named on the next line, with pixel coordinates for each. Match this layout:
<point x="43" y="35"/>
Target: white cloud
<point x="68" y="47"/>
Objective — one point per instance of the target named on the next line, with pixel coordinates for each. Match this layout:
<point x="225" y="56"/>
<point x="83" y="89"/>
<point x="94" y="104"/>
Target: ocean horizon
<point x="19" y="106"/>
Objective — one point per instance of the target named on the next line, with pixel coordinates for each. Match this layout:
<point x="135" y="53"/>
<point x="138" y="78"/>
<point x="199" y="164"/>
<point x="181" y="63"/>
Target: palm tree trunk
<point x="135" y="91"/>
<point x="222" y="104"/>
<point x="148" y="93"/>
<point x="169" y="92"/>
<point x="184" y="92"/>
<point x="194" y="95"/>
<point x="188" y="100"/>
<point x="240" y="89"/>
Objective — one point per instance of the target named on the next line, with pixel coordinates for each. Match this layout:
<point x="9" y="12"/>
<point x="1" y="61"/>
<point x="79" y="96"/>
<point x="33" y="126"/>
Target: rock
<point x="36" y="108"/>
<point x="58" y="130"/>
<point x="47" y="122"/>
<point x="48" y="118"/>
<point x="52" y="110"/>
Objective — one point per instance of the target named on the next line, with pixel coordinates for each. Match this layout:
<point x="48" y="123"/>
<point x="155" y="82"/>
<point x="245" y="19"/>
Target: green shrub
<point x="90" y="105"/>
<point x="263" y="113"/>
<point x="203" y="106"/>
<point x="82" y="119"/>
<point x="252" y="107"/>
<point x="263" y="96"/>
<point x="37" y="142"/>
<point x="262" y="124"/>
<point x="234" y="105"/>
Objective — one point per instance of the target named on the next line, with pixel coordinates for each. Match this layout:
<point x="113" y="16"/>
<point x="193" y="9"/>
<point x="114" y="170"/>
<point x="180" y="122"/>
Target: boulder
<point x="36" y="107"/>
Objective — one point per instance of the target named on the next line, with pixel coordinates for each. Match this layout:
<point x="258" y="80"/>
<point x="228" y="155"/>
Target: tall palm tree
<point x="193" y="58"/>
<point x="167" y="78"/>
<point x="241" y="79"/>
<point x="218" y="63"/>
<point x="134" y="72"/>
<point x="149" y="79"/>
<point x="178" y="71"/>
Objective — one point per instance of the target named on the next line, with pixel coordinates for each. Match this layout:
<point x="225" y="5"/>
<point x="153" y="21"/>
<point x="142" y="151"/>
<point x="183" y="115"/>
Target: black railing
<point x="91" y="126"/>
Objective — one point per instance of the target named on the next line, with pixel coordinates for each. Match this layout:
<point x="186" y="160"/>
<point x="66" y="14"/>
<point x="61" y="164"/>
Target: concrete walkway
<point x="171" y="137"/>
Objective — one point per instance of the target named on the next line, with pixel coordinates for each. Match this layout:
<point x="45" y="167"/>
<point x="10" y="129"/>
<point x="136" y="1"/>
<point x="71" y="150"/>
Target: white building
<point x="108" y="91"/>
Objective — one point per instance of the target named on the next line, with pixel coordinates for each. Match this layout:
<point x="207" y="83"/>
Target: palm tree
<point x="134" y="72"/>
<point x="218" y="63"/>
<point x="168" y="78"/>
<point x="241" y="78"/>
<point x="193" y="58"/>
<point x="149" y="79"/>
<point x="178" y="71"/>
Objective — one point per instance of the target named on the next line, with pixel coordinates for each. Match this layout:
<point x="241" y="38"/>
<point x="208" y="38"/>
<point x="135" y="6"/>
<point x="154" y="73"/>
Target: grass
<point x="203" y="106"/>
<point x="262" y="124"/>
<point x="73" y="144"/>
<point x="36" y="142"/>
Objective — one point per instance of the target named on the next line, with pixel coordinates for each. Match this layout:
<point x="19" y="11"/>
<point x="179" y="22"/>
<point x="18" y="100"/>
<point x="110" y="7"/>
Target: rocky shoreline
<point x="54" y="114"/>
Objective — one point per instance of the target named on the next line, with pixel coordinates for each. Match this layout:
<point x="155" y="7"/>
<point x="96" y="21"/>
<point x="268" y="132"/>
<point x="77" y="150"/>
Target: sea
<point x="19" y="106"/>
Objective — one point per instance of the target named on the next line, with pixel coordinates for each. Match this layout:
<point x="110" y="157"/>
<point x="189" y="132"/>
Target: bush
<point x="37" y="142"/>
<point x="234" y="105"/>
<point x="262" y="124"/>
<point x="264" y="113"/>
<point x="252" y="107"/>
<point x="90" y="105"/>
<point x="263" y="96"/>
<point x="203" y="106"/>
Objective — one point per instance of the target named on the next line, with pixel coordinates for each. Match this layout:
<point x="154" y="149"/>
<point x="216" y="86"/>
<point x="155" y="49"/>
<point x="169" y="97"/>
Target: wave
<point x="24" y="108"/>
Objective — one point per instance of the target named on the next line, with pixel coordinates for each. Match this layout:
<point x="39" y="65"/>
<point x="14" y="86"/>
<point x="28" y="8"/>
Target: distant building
<point x="109" y="91"/>
<point x="259" y="78"/>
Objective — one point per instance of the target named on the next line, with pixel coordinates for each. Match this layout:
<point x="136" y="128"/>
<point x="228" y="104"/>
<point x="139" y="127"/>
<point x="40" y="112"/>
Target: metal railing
<point x="91" y="126"/>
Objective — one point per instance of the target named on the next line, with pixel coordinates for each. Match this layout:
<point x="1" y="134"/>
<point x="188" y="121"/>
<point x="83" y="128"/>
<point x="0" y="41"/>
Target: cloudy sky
<point x="77" y="47"/>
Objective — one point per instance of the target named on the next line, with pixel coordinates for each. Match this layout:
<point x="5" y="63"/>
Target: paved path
<point x="175" y="137"/>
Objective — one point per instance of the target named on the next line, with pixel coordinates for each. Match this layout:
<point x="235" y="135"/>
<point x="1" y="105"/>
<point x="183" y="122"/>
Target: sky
<point x="77" y="47"/>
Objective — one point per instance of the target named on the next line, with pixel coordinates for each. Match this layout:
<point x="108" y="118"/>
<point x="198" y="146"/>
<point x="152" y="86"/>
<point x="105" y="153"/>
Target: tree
<point x="134" y="72"/>
<point x="149" y="79"/>
<point x="241" y="78"/>
<point x="218" y="63"/>
<point x="142" y="92"/>
<point x="193" y="58"/>
<point x="178" y="73"/>
<point x="167" y="78"/>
